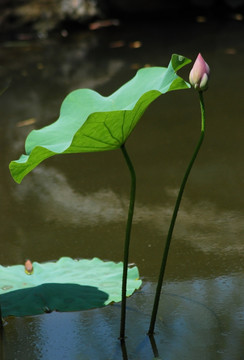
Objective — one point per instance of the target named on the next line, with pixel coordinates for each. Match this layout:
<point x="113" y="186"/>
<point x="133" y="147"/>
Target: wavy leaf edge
<point x="36" y="153"/>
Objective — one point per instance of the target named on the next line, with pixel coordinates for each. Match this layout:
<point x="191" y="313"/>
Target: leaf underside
<point x="90" y="122"/>
<point x="65" y="285"/>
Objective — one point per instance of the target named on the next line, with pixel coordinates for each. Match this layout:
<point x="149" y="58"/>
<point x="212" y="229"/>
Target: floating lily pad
<point x="65" y="285"/>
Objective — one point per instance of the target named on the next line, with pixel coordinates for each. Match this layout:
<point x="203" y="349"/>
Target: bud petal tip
<point x="199" y="74"/>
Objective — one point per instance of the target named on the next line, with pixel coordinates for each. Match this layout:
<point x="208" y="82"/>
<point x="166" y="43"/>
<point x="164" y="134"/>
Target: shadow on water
<point x="51" y="297"/>
<point x="76" y="205"/>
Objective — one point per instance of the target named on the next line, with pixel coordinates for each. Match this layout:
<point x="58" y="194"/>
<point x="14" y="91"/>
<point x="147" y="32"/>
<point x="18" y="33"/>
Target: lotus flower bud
<point x="28" y="267"/>
<point x="199" y="74"/>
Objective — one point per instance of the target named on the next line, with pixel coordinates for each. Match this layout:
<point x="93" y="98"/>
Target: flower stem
<point x="127" y="239"/>
<point x="173" y="220"/>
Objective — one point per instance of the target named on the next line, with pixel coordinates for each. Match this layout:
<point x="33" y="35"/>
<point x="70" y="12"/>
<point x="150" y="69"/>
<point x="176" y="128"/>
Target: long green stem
<point x="174" y="216"/>
<point x="127" y="240"/>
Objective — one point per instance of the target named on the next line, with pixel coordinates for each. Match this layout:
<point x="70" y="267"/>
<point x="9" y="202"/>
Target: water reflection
<point x="60" y="202"/>
<point x="197" y="319"/>
<point x="124" y="349"/>
<point x="154" y="346"/>
<point x="203" y="225"/>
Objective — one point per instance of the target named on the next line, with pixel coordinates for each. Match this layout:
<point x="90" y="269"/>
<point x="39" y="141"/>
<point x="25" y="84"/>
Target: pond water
<point x="76" y="205"/>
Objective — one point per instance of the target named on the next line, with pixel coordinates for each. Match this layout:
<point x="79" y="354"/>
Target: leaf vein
<point x="132" y="122"/>
<point x="98" y="140"/>
<point x="122" y="127"/>
<point x="111" y="134"/>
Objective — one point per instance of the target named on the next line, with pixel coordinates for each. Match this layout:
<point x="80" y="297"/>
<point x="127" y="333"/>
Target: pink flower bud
<point x="199" y="74"/>
<point x="28" y="267"/>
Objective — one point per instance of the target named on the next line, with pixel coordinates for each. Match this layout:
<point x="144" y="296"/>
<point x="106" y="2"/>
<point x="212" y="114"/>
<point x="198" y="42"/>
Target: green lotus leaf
<point x="65" y="285"/>
<point x="90" y="122"/>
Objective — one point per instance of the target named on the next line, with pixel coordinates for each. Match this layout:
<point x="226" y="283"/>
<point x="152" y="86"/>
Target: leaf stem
<point x="127" y="239"/>
<point x="173" y="220"/>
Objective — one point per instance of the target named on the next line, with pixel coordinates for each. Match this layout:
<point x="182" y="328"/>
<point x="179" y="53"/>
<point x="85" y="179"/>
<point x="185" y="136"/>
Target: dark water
<point x="76" y="205"/>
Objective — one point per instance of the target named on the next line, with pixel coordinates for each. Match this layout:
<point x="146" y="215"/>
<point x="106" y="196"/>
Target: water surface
<point x="76" y="205"/>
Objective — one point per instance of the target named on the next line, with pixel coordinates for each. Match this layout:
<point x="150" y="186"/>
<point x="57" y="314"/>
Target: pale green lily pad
<point x="65" y="285"/>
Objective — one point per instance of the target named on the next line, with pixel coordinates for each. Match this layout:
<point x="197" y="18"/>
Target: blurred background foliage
<point x="40" y="17"/>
